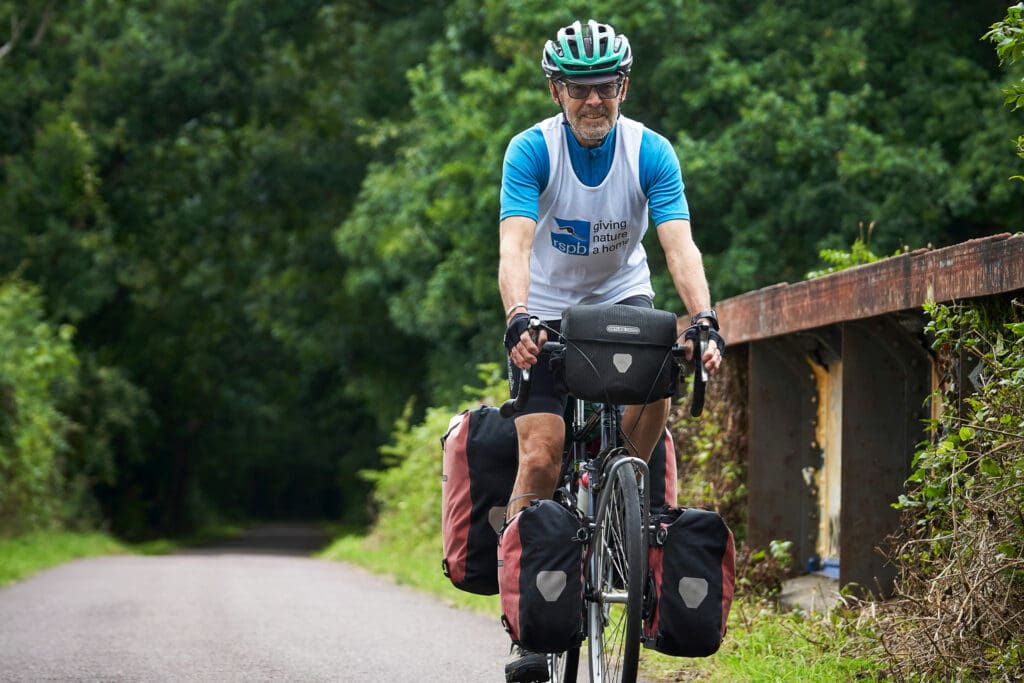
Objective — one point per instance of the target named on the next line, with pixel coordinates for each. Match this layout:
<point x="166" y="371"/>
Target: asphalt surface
<point x="254" y="609"/>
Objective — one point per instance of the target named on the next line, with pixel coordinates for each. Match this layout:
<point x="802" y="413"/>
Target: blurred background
<point x="240" y="239"/>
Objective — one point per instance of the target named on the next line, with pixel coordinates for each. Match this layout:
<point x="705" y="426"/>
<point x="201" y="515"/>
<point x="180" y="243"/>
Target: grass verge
<point x="24" y="555"/>
<point x="419" y="568"/>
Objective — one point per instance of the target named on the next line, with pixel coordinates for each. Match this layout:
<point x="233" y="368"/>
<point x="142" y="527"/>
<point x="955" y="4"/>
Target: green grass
<point x="765" y="646"/>
<point x="761" y="645"/>
<point x="22" y="556"/>
<point x="418" y="567"/>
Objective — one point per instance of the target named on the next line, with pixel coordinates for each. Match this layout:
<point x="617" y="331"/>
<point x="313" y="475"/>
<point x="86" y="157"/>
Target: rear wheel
<point x="617" y="567"/>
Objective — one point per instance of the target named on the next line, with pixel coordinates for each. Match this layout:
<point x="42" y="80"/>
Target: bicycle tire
<point x="563" y="666"/>
<point x="617" y="567"/>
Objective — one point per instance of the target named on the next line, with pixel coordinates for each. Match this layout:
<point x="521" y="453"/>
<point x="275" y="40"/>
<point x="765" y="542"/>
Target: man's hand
<point x="712" y="358"/>
<point x="523" y="349"/>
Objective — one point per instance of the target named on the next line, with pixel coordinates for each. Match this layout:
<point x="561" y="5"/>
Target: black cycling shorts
<point x="545" y="397"/>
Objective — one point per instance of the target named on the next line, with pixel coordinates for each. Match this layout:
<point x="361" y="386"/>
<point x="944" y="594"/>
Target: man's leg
<point x="644" y="427"/>
<point x="541" y="439"/>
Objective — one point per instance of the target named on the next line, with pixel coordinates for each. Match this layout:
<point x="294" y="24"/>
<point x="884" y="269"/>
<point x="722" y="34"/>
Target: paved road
<point x="254" y="611"/>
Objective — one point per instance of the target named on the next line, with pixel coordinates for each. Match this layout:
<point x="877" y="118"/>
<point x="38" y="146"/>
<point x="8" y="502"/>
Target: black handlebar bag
<point x="618" y="354"/>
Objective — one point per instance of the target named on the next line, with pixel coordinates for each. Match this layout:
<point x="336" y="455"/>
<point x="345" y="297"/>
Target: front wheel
<point x="617" y="567"/>
<point x="564" y="665"/>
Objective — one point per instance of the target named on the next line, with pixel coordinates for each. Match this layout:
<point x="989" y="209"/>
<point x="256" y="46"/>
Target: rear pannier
<point x="480" y="456"/>
<point x="692" y="572"/>
<point x="619" y="354"/>
<point x="540" y="570"/>
<point x="664" y="474"/>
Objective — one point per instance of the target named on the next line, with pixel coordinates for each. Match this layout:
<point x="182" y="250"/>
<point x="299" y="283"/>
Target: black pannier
<point x="540" y="573"/>
<point x="619" y="354"/>
<point x="691" y="579"/>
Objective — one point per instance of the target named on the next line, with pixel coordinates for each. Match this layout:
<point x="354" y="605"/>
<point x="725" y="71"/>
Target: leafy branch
<point x="1008" y="36"/>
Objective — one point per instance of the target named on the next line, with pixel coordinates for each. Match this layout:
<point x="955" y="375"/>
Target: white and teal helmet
<point x="585" y="50"/>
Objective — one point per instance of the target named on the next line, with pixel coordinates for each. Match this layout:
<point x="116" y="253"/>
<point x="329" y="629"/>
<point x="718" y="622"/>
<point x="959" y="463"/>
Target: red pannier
<point x="540" y="571"/>
<point x="480" y="457"/>
<point x="692" y="576"/>
<point x="664" y="474"/>
<point x="663" y="470"/>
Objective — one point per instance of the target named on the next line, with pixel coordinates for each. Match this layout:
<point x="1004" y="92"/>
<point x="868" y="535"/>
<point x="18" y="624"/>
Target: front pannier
<point x="540" y="571"/>
<point x="692" y="573"/>
<point x="619" y="354"/>
<point x="480" y="457"/>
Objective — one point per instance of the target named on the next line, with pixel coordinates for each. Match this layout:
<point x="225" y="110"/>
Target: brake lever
<point x="517" y="404"/>
<point x="700" y="373"/>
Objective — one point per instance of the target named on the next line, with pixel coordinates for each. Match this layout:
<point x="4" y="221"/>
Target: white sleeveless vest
<point x="587" y="246"/>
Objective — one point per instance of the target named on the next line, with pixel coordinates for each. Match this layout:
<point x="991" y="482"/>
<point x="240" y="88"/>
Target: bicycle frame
<point x="578" y="460"/>
<point x="582" y="478"/>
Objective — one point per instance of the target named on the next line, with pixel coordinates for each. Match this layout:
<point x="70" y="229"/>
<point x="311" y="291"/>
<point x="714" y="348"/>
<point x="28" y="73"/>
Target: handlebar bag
<point x="540" y="571"/>
<point x="692" y="573"/>
<point x="479" y="461"/>
<point x="619" y="354"/>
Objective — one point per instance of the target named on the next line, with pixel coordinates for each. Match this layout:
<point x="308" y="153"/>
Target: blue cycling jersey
<point x="526" y="170"/>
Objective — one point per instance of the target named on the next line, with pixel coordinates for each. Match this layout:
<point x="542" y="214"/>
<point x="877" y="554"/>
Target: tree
<point x="1008" y="35"/>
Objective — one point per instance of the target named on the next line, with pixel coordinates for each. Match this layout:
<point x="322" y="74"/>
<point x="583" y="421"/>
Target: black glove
<point x="691" y="334"/>
<point x="516" y="326"/>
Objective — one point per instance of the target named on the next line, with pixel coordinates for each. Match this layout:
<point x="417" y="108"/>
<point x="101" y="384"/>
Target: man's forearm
<point x="514" y="263"/>
<point x="685" y="265"/>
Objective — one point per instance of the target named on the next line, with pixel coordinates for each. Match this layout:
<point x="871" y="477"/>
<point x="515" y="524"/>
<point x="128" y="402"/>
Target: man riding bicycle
<point x="576" y="192"/>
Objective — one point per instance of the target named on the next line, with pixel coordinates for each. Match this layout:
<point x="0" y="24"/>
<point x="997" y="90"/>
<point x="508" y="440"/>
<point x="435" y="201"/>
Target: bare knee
<point x="643" y="426"/>
<point x="540" y="452"/>
<point x="541" y="439"/>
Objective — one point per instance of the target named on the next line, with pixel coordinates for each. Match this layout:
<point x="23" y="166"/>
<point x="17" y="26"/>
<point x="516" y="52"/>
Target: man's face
<point x="590" y="115"/>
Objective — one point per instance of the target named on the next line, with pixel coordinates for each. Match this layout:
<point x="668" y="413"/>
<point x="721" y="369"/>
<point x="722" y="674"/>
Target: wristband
<point x="708" y="315"/>
<point x="519" y="304"/>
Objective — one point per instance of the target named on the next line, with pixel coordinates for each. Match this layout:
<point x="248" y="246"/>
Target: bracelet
<point x="518" y="304"/>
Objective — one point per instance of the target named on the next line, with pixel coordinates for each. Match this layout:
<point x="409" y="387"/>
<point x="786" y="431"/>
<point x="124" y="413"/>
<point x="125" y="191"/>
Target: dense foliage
<point x="1008" y="35"/>
<point x="959" y="611"/>
<point x="34" y="372"/>
<point x="271" y="224"/>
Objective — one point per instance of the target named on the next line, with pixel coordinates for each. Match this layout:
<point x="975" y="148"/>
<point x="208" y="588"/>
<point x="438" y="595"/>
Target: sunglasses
<point x="605" y="91"/>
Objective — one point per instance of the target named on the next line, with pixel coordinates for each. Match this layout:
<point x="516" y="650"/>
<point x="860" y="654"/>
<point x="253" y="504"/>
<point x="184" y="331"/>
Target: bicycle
<point x="610" y="491"/>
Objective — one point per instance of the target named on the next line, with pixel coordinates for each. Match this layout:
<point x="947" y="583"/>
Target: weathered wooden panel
<point x="991" y="265"/>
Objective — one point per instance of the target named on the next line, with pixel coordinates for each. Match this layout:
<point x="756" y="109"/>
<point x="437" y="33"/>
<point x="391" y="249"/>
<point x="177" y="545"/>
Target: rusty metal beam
<point x="886" y="381"/>
<point x="991" y="265"/>
<point x="783" y="413"/>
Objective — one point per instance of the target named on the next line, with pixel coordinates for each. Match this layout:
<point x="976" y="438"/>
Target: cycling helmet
<point x="592" y="49"/>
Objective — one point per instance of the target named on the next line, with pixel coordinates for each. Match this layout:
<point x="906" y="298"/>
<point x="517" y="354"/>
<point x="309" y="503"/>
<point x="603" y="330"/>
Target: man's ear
<point x="625" y="87"/>
<point x="553" y="89"/>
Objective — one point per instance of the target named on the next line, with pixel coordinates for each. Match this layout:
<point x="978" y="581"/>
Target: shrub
<point x="37" y="373"/>
<point x="959" y="609"/>
<point x="407" y="493"/>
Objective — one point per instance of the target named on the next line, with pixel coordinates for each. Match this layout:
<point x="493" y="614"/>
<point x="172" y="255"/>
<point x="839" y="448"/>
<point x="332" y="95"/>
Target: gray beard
<point x="589" y="135"/>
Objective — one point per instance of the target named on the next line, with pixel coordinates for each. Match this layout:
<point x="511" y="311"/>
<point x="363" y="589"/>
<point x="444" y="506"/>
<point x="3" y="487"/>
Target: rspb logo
<point x="571" y="237"/>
